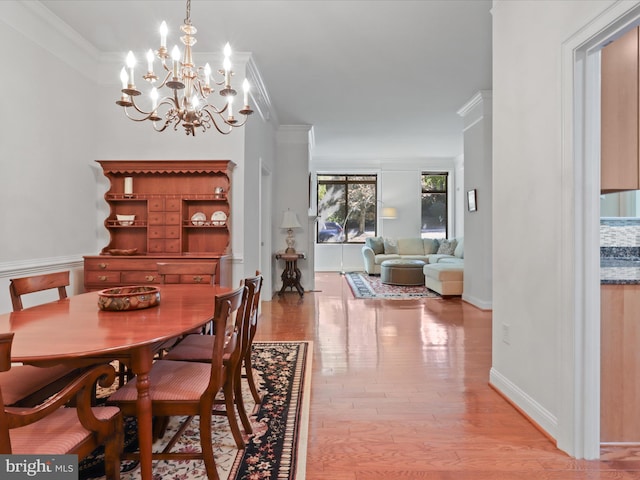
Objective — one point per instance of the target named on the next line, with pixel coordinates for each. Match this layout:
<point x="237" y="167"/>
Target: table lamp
<point x="289" y="222"/>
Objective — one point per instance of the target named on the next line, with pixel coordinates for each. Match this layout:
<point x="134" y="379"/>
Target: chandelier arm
<point x="215" y="124"/>
<point x="139" y="110"/>
<point x="126" y="112"/>
<point x="166" y="78"/>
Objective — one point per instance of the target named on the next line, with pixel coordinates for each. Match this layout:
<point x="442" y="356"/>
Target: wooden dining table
<point x="75" y="331"/>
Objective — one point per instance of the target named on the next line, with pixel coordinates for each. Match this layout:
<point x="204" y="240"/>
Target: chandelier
<point x="187" y="88"/>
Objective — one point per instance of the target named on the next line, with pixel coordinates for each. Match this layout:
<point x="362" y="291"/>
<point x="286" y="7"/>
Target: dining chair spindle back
<point x="196" y="348"/>
<point x="37" y="283"/>
<point x="189" y="388"/>
<point x="27" y="385"/>
<point x="52" y="429"/>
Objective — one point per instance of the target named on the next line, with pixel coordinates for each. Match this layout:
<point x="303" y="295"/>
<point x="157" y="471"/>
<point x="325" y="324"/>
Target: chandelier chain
<point x="187" y="20"/>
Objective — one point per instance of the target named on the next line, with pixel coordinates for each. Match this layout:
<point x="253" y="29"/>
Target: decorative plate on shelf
<point x="219" y="218"/>
<point x="198" y="219"/>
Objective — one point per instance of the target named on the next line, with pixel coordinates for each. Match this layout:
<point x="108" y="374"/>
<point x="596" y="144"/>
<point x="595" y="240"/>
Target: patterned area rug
<point x="277" y="448"/>
<point x="370" y="286"/>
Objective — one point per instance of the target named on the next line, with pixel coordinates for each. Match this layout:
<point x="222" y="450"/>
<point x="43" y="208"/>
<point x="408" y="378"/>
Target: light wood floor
<point x="400" y="391"/>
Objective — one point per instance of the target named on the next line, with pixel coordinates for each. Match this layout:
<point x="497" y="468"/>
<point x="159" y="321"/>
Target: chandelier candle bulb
<point x="227" y="72"/>
<point x="131" y="63"/>
<point x="124" y="78"/>
<point x="150" y="61"/>
<point x="207" y="74"/>
<point x="163" y="35"/>
<point x="154" y="98"/>
<point x="175" y="55"/>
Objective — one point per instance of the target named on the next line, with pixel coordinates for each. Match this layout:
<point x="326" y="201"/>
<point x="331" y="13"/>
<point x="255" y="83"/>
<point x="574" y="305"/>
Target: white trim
<point x="37" y="23"/>
<point x="477" y="302"/>
<point x="23" y="268"/>
<point x="259" y="94"/>
<point x="540" y="415"/>
<point x="478" y="99"/>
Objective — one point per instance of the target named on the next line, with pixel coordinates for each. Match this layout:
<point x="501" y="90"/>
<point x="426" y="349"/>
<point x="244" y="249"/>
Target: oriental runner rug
<point x="277" y="448"/>
<point x="370" y="286"/>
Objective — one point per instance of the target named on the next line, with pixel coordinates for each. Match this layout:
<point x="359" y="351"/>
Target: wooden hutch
<point x="182" y="212"/>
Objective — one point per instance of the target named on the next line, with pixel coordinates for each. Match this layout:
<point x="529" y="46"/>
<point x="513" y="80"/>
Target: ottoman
<point x="402" y="272"/>
<point x="444" y="278"/>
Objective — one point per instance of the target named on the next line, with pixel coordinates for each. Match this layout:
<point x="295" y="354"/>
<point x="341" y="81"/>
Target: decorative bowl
<point x="122" y="251"/>
<point x="126" y="220"/>
<point x="128" y="298"/>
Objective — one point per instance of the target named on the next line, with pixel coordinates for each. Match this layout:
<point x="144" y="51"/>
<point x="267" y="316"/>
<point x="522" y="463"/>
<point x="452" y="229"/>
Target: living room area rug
<point x="369" y="286"/>
<point x="275" y="451"/>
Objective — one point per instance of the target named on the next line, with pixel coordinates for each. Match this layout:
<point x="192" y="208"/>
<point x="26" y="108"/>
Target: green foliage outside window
<point x="347" y="208"/>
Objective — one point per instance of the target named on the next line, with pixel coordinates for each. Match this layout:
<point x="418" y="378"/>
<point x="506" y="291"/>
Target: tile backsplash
<point x="620" y="237"/>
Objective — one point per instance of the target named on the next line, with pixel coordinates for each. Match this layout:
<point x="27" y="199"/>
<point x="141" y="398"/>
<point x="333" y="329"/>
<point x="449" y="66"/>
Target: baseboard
<point x="477" y="302"/>
<point x="539" y="416"/>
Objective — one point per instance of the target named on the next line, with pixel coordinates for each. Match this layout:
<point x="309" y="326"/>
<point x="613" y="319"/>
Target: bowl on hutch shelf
<point x="128" y="298"/>
<point x="126" y="220"/>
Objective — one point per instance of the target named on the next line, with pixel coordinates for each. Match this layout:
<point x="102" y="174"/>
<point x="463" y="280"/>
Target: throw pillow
<point x="430" y="245"/>
<point x="376" y="244"/>
<point x="447" y="247"/>
<point x="459" y="251"/>
<point x="390" y="246"/>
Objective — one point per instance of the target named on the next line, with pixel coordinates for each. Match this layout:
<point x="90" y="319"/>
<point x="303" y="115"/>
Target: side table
<point x="291" y="274"/>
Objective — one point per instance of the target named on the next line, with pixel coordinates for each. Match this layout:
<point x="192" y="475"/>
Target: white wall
<point x="291" y="192"/>
<point x="532" y="218"/>
<point x="399" y="187"/>
<point x="478" y="275"/>
<point x="47" y="185"/>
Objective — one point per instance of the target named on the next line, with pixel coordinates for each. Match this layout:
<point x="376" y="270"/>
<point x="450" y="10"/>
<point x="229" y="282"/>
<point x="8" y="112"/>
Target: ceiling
<point x="376" y="79"/>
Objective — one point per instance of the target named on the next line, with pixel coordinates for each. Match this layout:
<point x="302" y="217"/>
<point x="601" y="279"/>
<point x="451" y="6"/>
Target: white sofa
<point x="430" y="250"/>
<point x="444" y="259"/>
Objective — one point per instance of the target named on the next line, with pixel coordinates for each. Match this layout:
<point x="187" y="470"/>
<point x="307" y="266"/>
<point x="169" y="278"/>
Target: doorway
<point x="579" y="346"/>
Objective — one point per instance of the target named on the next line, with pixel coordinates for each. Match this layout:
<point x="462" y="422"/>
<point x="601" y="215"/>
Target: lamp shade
<point x="290" y="220"/>
<point x="389" y="212"/>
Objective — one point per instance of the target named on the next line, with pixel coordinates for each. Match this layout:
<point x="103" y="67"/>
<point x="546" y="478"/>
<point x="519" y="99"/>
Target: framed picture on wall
<point x="471" y="200"/>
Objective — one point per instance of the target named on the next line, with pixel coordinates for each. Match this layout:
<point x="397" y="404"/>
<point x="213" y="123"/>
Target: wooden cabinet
<point x="620" y="115"/>
<point x="620" y="364"/>
<point x="165" y="196"/>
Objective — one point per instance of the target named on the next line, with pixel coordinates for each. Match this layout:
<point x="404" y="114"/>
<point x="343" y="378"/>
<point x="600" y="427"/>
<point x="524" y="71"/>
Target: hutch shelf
<point x="182" y="212"/>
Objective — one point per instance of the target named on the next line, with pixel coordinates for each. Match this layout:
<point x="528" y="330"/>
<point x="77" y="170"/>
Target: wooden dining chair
<point x="189" y="388"/>
<point x="197" y="348"/>
<point x="37" y="283"/>
<point x="253" y="328"/>
<point x="28" y="385"/>
<point x="51" y="429"/>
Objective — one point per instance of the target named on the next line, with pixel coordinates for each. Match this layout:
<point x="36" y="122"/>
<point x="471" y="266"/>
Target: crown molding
<point x="483" y="98"/>
<point x="258" y="93"/>
<point x="37" y="23"/>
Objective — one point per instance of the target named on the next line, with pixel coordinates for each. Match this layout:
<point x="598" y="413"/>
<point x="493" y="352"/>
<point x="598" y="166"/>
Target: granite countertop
<point x="619" y="270"/>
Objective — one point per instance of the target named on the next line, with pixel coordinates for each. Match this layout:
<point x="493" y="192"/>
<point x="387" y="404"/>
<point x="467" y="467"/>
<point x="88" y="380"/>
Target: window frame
<point x="444" y="192"/>
<point x="347" y="179"/>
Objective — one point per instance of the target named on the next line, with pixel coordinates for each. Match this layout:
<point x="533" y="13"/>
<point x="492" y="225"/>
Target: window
<point x="434" y="205"/>
<point x="347" y="208"/>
